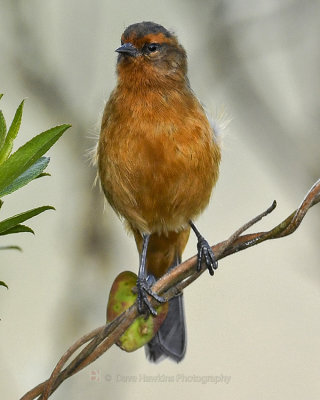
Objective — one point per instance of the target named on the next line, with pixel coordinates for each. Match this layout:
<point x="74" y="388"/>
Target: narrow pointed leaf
<point x="3" y="129"/>
<point x="17" y="219"/>
<point x="10" y="248"/>
<point x="12" y="134"/>
<point x="17" y="229"/>
<point x="28" y="154"/>
<point x="4" y="284"/>
<point x="31" y="173"/>
<point x="43" y="174"/>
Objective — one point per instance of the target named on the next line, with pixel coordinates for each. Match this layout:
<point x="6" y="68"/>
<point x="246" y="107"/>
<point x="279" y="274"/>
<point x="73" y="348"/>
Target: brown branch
<point x="101" y="339"/>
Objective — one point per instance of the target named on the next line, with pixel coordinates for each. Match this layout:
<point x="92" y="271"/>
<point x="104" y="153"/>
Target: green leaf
<point x="10" y="248"/>
<point x="43" y="174"/>
<point x="9" y="223"/>
<point x="17" y="229"/>
<point x="3" y="129"/>
<point x="28" y="154"/>
<point x="1" y="96"/>
<point x="12" y="134"/>
<point x="31" y="173"/>
<point x="4" y="284"/>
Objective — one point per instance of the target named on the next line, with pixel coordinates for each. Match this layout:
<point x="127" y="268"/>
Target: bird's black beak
<point x="127" y="48"/>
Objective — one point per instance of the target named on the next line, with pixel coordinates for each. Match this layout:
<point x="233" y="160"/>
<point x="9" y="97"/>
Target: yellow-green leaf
<point x="10" y="248"/>
<point x="28" y="154"/>
<point x="3" y="129"/>
<point x="9" y="223"/>
<point x="17" y="229"/>
<point x="27" y="176"/>
<point x="6" y="149"/>
<point x="4" y="284"/>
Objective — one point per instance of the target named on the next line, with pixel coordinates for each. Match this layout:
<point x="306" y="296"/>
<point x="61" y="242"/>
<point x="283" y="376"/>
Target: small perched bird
<point x="158" y="161"/>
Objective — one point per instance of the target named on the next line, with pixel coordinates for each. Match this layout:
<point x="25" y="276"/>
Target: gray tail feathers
<point x="170" y="340"/>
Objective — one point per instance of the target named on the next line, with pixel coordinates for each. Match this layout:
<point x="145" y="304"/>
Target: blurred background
<point x="255" y="324"/>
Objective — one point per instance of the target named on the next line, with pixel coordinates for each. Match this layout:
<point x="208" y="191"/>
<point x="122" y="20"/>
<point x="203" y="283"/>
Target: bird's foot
<point x="144" y="305"/>
<point x="206" y="254"/>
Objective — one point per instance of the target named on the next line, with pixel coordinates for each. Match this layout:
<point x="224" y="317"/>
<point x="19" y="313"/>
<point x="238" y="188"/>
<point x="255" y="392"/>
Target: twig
<point x="101" y="339"/>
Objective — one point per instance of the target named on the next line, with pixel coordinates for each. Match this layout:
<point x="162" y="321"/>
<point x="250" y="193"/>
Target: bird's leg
<point x="143" y="286"/>
<point x="205" y="252"/>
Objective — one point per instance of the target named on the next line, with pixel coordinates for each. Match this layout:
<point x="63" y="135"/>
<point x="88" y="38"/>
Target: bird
<point x="158" y="160"/>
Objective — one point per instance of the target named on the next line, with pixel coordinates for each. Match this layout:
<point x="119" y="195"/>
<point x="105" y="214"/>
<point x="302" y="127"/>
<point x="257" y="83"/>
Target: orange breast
<point x="158" y="161"/>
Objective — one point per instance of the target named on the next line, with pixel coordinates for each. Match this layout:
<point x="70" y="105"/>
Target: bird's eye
<point x="152" y="47"/>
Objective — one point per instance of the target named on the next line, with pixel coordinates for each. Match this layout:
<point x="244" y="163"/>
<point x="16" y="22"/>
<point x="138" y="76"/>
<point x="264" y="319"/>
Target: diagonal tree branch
<point x="101" y="339"/>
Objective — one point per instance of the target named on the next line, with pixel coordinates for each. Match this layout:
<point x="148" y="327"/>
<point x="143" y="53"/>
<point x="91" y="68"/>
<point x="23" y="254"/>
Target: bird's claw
<point x="205" y="253"/>
<point x="144" y="305"/>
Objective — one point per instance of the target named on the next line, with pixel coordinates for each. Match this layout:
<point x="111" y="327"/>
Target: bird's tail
<point x="170" y="340"/>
